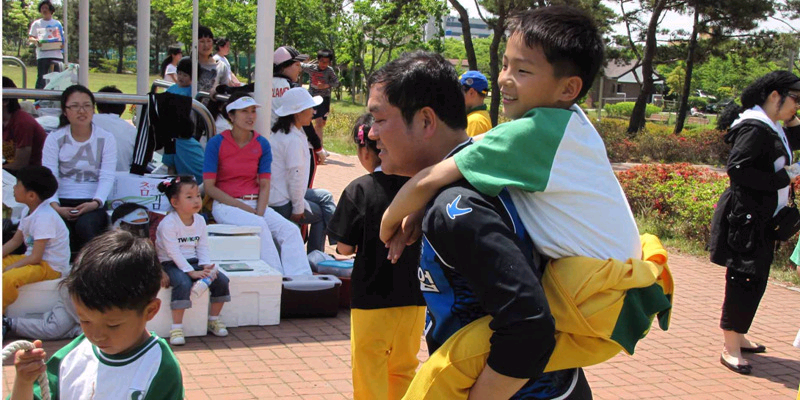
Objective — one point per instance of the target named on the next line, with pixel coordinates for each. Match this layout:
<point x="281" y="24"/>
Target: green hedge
<point x="625" y="109"/>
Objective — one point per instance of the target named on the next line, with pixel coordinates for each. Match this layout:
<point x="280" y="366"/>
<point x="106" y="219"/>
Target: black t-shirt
<point x="376" y="282"/>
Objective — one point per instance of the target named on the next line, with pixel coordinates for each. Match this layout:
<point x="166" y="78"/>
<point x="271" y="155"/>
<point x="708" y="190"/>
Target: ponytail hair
<point x="173" y="50"/>
<point x="172" y="187"/>
<point x="756" y="95"/>
<point x="361" y="131"/>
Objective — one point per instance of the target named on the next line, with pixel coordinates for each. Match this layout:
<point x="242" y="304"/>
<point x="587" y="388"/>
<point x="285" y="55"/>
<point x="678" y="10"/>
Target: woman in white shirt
<point x="169" y="67"/>
<point x="83" y="158"/>
<point x="289" y="193"/>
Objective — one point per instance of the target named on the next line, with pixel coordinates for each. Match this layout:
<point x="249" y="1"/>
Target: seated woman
<point x="83" y="157"/>
<point x="289" y="193"/>
<point x="23" y="137"/>
<point x="236" y="173"/>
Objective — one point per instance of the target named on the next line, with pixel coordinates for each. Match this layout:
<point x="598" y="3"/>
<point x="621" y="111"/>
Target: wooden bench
<point x="658" y="118"/>
<point x="697" y="120"/>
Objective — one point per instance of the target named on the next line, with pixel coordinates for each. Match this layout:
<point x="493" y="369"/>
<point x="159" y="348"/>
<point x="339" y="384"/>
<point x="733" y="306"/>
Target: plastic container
<point x="341" y="269"/>
<point x="310" y="296"/>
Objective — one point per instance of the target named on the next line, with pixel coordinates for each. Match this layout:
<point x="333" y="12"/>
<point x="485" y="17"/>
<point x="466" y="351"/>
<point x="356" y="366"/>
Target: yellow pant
<point x="28" y="274"/>
<point x="384" y="345"/>
<point x="452" y="369"/>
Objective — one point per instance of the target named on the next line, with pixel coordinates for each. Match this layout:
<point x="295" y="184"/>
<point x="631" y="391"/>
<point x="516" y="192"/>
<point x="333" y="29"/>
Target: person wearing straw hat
<point x="290" y="196"/>
<point x="236" y="174"/>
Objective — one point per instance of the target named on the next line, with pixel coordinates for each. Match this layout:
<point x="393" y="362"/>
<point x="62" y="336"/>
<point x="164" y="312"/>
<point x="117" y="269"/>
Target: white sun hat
<point x="242" y="103"/>
<point x="295" y="100"/>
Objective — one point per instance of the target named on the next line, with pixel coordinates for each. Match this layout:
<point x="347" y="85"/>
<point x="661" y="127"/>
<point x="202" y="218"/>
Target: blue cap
<point x="475" y="80"/>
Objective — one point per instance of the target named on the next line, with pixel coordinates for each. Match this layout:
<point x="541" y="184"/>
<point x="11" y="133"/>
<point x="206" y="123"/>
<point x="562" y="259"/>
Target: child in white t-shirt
<point x="43" y="232"/>
<point x="182" y="247"/>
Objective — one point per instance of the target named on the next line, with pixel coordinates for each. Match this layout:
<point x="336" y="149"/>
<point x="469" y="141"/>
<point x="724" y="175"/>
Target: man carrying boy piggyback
<point x="113" y="286"/>
<point x="322" y="80"/>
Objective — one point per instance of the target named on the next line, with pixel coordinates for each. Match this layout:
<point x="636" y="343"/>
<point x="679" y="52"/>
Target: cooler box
<point x="35" y="298"/>
<point x="255" y="295"/>
<point x="195" y="319"/>
<point x="310" y="296"/>
<point x="234" y="243"/>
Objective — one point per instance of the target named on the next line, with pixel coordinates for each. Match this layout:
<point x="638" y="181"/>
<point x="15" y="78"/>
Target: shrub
<point x="698" y="102"/>
<point x="625" y="109"/>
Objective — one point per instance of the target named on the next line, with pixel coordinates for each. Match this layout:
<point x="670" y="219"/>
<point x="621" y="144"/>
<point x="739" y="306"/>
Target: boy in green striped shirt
<point x="113" y="285"/>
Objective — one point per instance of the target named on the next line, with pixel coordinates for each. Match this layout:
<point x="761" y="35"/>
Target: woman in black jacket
<point x="760" y="168"/>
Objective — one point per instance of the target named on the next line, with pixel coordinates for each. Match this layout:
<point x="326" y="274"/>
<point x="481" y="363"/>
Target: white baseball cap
<point x="241" y="103"/>
<point x="286" y="53"/>
<point x="295" y="100"/>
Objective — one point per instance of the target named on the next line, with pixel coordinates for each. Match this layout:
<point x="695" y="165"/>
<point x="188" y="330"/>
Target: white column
<point x="143" y="47"/>
<point x="83" y="48"/>
<point x="265" y="47"/>
<point x="65" y="24"/>
<point x="195" y="25"/>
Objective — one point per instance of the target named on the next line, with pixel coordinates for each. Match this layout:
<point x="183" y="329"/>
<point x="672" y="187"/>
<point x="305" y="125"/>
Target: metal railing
<point x="111" y="98"/>
<point x="16" y="60"/>
<point x="161" y="83"/>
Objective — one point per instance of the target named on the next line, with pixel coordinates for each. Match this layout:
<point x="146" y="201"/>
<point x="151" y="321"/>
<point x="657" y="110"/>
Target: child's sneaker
<point x="176" y="337"/>
<point x="217" y="328"/>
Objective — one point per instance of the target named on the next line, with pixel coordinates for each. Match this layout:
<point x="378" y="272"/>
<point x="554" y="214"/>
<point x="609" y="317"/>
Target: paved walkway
<point x="310" y="358"/>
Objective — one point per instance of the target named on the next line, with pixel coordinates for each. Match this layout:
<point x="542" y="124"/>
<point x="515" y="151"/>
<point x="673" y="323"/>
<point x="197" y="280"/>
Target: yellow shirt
<point x="478" y="121"/>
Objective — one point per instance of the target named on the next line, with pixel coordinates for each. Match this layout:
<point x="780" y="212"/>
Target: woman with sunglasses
<point x="763" y="132"/>
<point x="83" y="158"/>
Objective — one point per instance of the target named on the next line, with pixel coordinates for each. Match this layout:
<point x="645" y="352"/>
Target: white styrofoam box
<point x="140" y="189"/>
<point x="234" y="248"/>
<point x="255" y="295"/>
<point x="35" y="298"/>
<point x="195" y="319"/>
<point x="228" y="229"/>
<point x="8" y="196"/>
<point x="234" y="243"/>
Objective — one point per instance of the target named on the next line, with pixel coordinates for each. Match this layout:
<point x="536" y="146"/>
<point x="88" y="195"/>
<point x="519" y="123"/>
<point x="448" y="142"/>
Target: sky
<point x="672" y="21"/>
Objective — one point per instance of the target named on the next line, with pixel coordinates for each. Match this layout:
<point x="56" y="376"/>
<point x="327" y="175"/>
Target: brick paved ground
<point x="310" y="358"/>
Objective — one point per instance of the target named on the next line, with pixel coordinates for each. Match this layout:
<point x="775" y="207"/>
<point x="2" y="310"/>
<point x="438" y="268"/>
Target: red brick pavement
<point x="310" y="358"/>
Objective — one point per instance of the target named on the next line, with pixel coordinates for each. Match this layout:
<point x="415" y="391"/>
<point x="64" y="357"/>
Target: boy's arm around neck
<point x="416" y="193"/>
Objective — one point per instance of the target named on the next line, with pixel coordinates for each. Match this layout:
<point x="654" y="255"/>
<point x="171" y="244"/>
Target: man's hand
<point x="29" y="364"/>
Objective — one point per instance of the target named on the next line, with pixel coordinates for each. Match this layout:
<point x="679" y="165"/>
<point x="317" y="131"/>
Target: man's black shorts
<point x="321" y="111"/>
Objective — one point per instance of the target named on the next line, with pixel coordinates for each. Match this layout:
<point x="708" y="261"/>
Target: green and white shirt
<point x="80" y="370"/>
<point x="557" y="171"/>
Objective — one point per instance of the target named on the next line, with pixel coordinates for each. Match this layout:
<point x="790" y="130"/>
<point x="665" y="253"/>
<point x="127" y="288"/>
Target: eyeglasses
<point x="80" y="107"/>
<point x="795" y="97"/>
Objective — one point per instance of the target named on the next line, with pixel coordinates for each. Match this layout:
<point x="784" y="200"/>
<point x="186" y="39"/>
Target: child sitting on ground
<point x="182" y="245"/>
<point x="388" y="311"/>
<point x="62" y="321"/>
<point x="113" y="286"/>
<point x="43" y="232"/>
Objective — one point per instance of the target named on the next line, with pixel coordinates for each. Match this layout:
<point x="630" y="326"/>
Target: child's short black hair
<point x="325" y="53"/>
<point x="204" y="32"/>
<point x="423" y="79"/>
<point x="107" y="108"/>
<point x="172" y="187"/>
<point x="221" y="42"/>
<point x="48" y="4"/>
<point x="115" y="269"/>
<point x="569" y="38"/>
<point x="39" y="180"/>
<point x="361" y="133"/>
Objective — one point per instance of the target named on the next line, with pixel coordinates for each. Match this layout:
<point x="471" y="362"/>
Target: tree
<point x="17" y="18"/>
<point x="113" y="26"/>
<point x="718" y="18"/>
<point x="466" y="34"/>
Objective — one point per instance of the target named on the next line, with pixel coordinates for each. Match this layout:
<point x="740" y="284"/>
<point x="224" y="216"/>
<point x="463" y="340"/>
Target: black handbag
<point x="786" y="223"/>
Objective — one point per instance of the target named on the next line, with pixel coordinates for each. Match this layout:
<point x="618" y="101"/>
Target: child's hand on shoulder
<point x="30" y="363"/>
